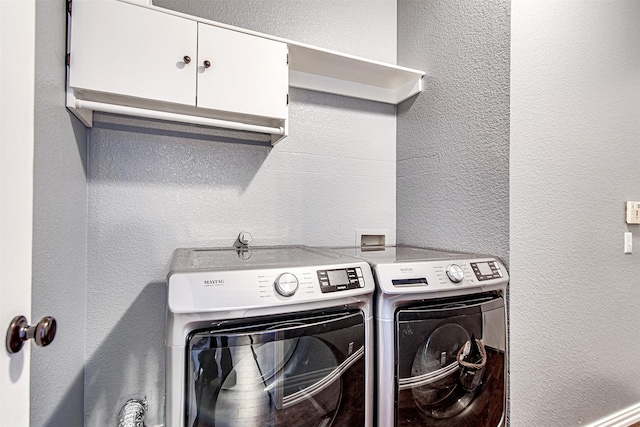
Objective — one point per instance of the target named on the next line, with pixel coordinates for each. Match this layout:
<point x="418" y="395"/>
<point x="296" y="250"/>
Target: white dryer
<point x="268" y="336"/>
<point x="441" y="336"/>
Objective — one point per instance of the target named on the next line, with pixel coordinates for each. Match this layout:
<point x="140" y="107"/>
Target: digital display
<point x="484" y="268"/>
<point x="338" y="277"/>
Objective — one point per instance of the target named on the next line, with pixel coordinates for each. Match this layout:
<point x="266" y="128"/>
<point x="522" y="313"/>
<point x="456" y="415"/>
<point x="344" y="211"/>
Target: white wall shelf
<point x="121" y="80"/>
<point x="323" y="70"/>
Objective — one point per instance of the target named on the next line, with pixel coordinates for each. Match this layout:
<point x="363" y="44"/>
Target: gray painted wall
<point x="575" y="157"/>
<point x="59" y="231"/>
<point x="154" y="187"/>
<point x="453" y="140"/>
<point x="364" y="28"/>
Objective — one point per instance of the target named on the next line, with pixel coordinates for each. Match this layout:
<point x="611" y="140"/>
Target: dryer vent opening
<point x="372" y="240"/>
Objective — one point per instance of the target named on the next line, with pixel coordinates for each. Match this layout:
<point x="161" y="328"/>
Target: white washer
<point x="268" y="336"/>
<point x="429" y="304"/>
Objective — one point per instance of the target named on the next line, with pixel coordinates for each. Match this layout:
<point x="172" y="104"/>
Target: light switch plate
<point x="633" y="212"/>
<point x="628" y="242"/>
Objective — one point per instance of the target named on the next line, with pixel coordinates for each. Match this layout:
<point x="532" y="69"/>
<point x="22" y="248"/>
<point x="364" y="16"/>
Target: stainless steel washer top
<point x="252" y="258"/>
<point x="399" y="253"/>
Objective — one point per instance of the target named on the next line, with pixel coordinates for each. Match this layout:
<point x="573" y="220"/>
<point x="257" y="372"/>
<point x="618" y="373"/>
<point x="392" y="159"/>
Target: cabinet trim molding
<point x="174" y="117"/>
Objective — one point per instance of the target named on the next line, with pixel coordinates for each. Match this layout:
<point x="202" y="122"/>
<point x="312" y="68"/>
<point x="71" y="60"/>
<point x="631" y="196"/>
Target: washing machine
<point x="441" y="336"/>
<point x="268" y="336"/>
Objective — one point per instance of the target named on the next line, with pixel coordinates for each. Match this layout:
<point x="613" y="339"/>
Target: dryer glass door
<point x="451" y="362"/>
<point x="302" y="371"/>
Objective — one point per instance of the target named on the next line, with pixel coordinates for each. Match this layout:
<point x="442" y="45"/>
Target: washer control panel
<point x="340" y="279"/>
<point x="224" y="290"/>
<point x="486" y="270"/>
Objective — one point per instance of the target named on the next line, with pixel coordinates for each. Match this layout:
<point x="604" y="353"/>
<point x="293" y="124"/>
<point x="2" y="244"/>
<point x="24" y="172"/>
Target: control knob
<point x="455" y="273"/>
<point x="286" y="284"/>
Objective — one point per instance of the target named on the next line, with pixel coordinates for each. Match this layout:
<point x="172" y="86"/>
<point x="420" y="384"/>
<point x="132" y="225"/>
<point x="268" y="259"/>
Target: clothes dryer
<point x="268" y="336"/>
<point x="441" y="336"/>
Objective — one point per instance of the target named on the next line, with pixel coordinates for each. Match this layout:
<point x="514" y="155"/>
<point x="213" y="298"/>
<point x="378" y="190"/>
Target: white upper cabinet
<point x="132" y="58"/>
<point x="257" y="65"/>
<point x="122" y="49"/>
<point x="128" y="59"/>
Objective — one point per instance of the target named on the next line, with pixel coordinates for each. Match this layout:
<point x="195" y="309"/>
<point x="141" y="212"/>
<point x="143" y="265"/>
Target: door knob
<point x="19" y="331"/>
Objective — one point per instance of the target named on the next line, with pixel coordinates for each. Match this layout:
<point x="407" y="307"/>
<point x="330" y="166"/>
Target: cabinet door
<point x="124" y="49"/>
<point x="247" y="74"/>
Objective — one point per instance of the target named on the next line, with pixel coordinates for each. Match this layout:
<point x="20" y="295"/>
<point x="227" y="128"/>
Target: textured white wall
<point x="575" y="158"/>
<point x="59" y="232"/>
<point x="359" y="27"/>
<point x="453" y="140"/>
<point x="153" y="187"/>
<point x="575" y="133"/>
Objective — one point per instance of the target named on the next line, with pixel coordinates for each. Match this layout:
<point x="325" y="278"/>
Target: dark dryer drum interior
<point x="439" y="379"/>
<point x="302" y="370"/>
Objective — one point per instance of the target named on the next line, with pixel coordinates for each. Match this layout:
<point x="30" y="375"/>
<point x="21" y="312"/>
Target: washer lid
<point x="259" y="257"/>
<point x="377" y="255"/>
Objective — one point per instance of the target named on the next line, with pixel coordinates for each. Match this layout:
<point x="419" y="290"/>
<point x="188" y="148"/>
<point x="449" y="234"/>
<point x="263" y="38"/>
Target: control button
<point x="455" y="273"/>
<point x="361" y="280"/>
<point x="286" y="284"/>
<point x="359" y="271"/>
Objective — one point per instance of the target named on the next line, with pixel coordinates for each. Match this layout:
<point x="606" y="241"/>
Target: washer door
<point x="432" y="387"/>
<point x="275" y="373"/>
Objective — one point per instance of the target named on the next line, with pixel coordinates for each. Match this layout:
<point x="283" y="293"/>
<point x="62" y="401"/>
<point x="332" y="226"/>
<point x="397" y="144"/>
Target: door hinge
<point x="68" y="59"/>
<point x="287" y="59"/>
<point x="68" y="6"/>
<point x="287" y="99"/>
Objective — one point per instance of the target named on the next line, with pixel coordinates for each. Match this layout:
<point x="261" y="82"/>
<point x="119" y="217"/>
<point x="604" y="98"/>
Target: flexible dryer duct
<point x="132" y="413"/>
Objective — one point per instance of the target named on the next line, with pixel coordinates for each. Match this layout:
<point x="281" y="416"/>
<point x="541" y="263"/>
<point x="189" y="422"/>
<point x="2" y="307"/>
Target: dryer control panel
<point x="486" y="270"/>
<point x="448" y="276"/>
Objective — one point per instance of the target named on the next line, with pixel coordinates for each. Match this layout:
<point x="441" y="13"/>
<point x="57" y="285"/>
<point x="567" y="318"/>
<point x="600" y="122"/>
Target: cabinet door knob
<point x="19" y="332"/>
<point x="207" y="64"/>
<point x="186" y="59"/>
